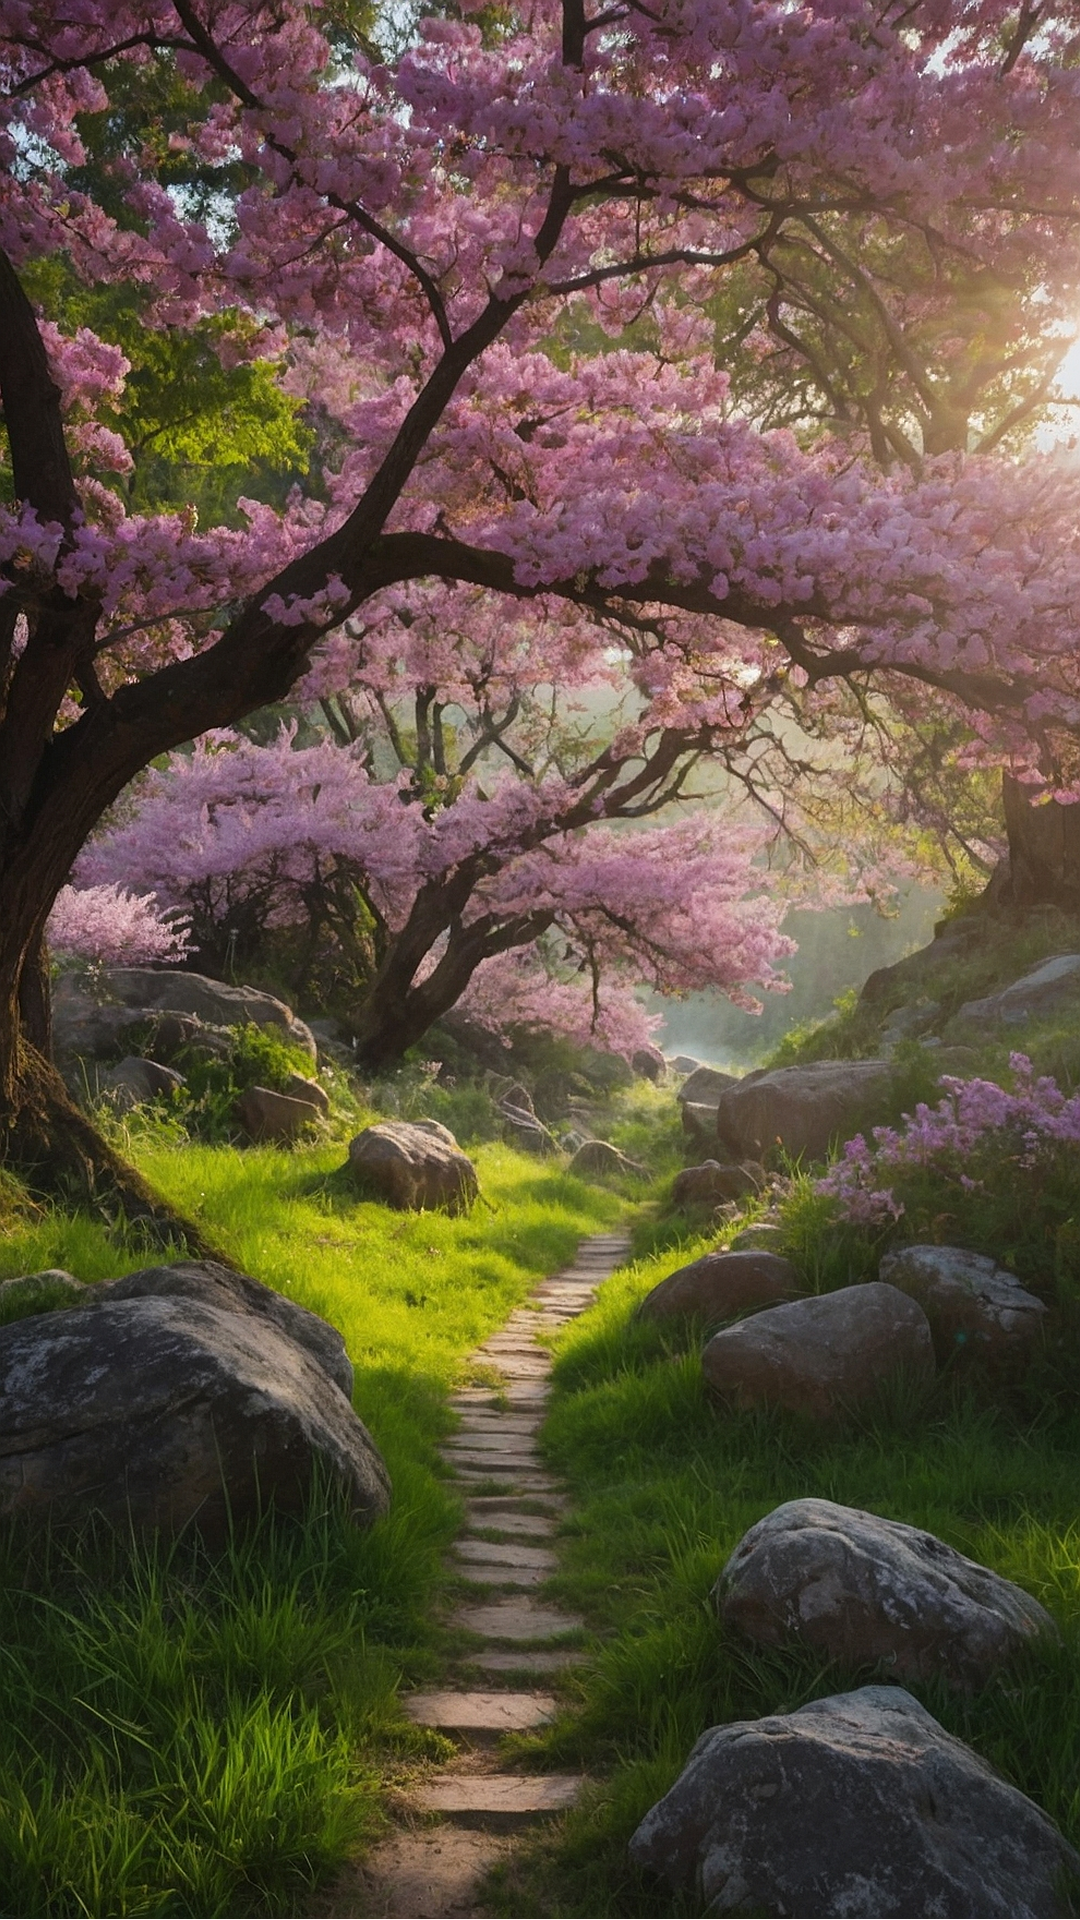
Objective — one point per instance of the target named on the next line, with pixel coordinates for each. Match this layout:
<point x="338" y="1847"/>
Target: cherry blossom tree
<point x="421" y="242"/>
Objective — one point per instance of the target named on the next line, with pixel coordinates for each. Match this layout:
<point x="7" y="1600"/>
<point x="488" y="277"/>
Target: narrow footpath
<point x="459" y="1823"/>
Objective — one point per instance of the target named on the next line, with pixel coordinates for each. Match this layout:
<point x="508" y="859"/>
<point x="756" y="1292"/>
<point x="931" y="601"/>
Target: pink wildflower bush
<point x="110" y="926"/>
<point x="1022" y="1125"/>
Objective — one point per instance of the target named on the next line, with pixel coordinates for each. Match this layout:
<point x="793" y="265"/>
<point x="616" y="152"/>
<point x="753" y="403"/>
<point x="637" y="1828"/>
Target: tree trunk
<point x="1044" y="852"/>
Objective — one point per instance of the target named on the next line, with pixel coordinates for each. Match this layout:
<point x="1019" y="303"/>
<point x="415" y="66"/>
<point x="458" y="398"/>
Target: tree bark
<point x="1044" y="852"/>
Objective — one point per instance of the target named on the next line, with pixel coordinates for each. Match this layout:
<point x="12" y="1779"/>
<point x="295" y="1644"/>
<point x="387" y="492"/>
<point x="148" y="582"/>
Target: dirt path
<point x="460" y="1822"/>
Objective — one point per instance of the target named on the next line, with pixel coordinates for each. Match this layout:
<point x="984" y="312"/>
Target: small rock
<point x="518" y="1097"/>
<point x="683" y="1063"/>
<point x="267" y="1115"/>
<point x="859" y="1804"/>
<point x="40" y="1292"/>
<point x="764" y="1236"/>
<point x="857" y="1588"/>
<point x="975" y="1308"/>
<point x="299" y="1087"/>
<point x="721" y="1285"/>
<point x="714" y="1181"/>
<point x="136" y="1081"/>
<point x="412" y="1165"/>
<point x="819" y="1355"/>
<point x="571" y="1140"/>
<point x="598" y="1160"/>
<point x="906" y="1023"/>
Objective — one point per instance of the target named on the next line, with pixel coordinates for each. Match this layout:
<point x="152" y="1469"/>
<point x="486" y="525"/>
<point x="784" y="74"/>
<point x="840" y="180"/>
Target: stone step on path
<point x="510" y="1636"/>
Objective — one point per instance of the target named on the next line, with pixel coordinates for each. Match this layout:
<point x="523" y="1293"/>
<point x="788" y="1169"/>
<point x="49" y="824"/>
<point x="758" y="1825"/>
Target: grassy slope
<point x="182" y="1735"/>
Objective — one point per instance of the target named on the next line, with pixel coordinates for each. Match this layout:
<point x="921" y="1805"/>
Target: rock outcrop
<point x="975" y="1308"/>
<point x="859" y="1804"/>
<point x="857" y="1588"/>
<point x="805" y="1109"/>
<point x="721" y="1285"/>
<point x="413" y="1164"/>
<point x="214" y="1001"/>
<point x="821" y="1355"/>
<point x="1052" y="988"/>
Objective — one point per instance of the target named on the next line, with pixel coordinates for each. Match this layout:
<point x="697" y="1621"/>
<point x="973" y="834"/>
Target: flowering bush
<point x="1022" y="1126"/>
<point x="112" y="927"/>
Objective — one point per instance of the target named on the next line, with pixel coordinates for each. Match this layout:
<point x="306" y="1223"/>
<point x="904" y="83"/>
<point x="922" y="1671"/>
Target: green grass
<point x="183" y="1733"/>
<point x="664" y="1488"/>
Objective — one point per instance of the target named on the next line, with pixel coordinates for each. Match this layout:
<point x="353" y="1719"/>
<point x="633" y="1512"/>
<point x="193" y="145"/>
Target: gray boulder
<point x="214" y="1001"/>
<point x="413" y="1164"/>
<point x="266" y="1114"/>
<point x="721" y="1285"/>
<point x="804" y="1108"/>
<point x="820" y="1355"/>
<point x="213" y="1285"/>
<point x="714" y="1182"/>
<point x="698" y="1123"/>
<point x="135" y="1081"/>
<point x="1051" y="988"/>
<point x="975" y="1308"/>
<point x="859" y="1804"/>
<point x="857" y="1588"/>
<point x="703" y="1087"/>
<point x="683" y="1063"/>
<point x="907" y="1023"/>
<point x="598" y="1160"/>
<point x="162" y="1412"/>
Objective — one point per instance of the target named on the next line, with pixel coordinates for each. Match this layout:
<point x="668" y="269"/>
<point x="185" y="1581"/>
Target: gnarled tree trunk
<point x="1044" y="852"/>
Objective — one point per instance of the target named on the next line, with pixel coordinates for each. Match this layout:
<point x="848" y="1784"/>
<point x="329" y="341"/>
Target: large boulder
<point x="267" y="1115"/>
<point x="714" y="1182"/>
<point x="975" y="1308"/>
<point x="821" y="1355"/>
<point x="1050" y="989"/>
<point x="859" y="1804"/>
<point x="212" y="1285"/>
<point x="160" y="1412"/>
<point x="721" y="1285"/>
<point x="213" y="1001"/>
<point x="857" y="1588"/>
<point x="803" y="1108"/>
<point x="413" y="1164"/>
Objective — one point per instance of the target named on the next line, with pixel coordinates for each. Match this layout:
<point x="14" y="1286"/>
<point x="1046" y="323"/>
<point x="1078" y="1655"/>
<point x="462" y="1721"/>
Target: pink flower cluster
<point x="113" y="927"/>
<point x="972" y="1115"/>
